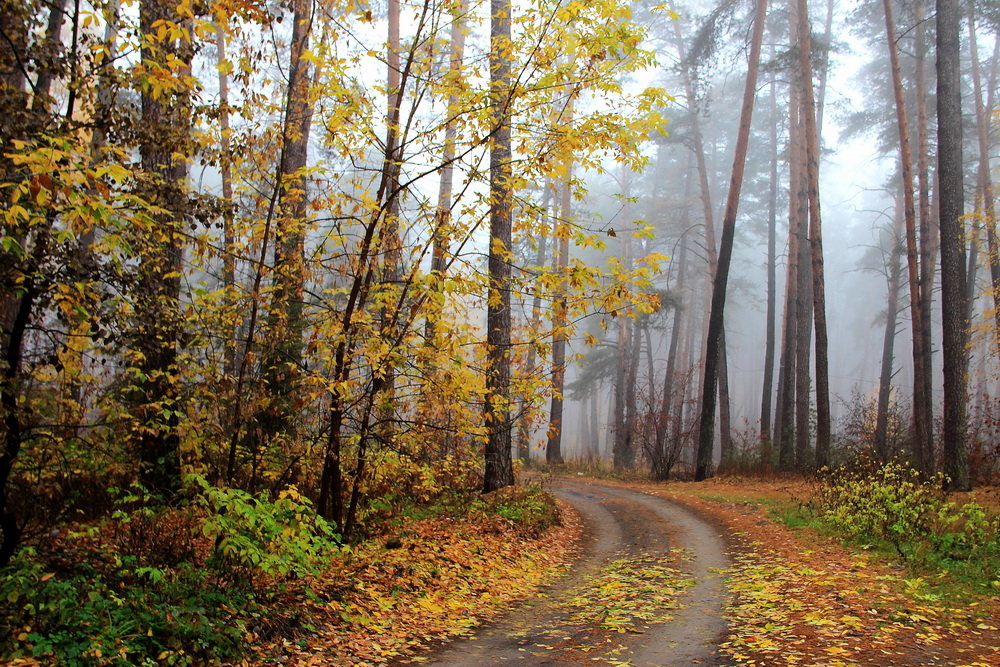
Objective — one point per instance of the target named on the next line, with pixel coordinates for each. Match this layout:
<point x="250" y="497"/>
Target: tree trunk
<point x="772" y="207"/>
<point x="889" y="337"/>
<point x="12" y="421"/>
<point x="499" y="471"/>
<point x="683" y="383"/>
<point x="927" y="237"/>
<point x="922" y="432"/>
<point x="799" y="219"/>
<point x="804" y="327"/>
<point x="703" y="462"/>
<point x="553" y="449"/>
<point x="41" y="102"/>
<point x="726" y="447"/>
<point x="954" y="324"/>
<point x="623" y="453"/>
<point x="631" y="390"/>
<point x="823" y="421"/>
<point x="166" y="122"/>
<point x="825" y="71"/>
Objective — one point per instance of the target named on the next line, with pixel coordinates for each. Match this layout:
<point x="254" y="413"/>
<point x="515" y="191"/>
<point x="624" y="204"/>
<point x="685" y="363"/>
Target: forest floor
<point x="644" y="574"/>
<point x="801" y="598"/>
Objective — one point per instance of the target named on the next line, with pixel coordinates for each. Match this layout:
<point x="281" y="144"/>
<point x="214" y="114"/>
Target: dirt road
<point x="647" y="591"/>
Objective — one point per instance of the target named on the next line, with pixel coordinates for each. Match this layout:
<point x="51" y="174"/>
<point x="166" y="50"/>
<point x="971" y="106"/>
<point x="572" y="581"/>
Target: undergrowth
<point x="154" y="584"/>
<point x="201" y="580"/>
<point x="893" y="509"/>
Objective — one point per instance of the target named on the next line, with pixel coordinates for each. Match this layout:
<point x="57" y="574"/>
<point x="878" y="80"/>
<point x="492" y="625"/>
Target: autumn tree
<point x="498" y="321"/>
<point x="165" y="143"/>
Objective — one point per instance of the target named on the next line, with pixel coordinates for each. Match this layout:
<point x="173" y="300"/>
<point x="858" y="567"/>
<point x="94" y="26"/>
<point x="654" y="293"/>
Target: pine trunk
<point x="922" y="432"/>
<point x="823" y="419"/>
<point x="703" y="461"/>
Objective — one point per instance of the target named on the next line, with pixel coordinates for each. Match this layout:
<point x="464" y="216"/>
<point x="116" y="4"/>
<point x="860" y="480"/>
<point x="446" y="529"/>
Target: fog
<point x="858" y="185"/>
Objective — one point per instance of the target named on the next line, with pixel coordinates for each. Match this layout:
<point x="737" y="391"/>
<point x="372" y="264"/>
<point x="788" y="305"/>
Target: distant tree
<point x="985" y="206"/>
<point x="922" y="427"/>
<point x="663" y="455"/>
<point x="767" y="391"/>
<point x="889" y="336"/>
<point x="560" y="332"/>
<point x="442" y="230"/>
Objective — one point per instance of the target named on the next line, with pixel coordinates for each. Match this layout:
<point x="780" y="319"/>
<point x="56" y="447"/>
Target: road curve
<point x="619" y="523"/>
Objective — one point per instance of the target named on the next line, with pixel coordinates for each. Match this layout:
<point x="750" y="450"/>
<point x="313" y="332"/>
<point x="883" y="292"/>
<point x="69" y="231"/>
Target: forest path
<point x="648" y="590"/>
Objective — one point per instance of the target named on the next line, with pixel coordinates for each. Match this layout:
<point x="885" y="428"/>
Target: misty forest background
<point x="301" y="264"/>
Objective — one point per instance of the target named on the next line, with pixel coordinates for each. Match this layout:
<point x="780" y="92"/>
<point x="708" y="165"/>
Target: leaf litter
<point x="442" y="578"/>
<point x="803" y="599"/>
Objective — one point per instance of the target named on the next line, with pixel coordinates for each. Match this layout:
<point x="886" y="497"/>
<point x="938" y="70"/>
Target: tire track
<point x="619" y="524"/>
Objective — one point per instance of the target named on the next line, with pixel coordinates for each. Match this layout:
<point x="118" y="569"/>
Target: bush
<point x="162" y="585"/>
<point x="122" y="616"/>
<point x="895" y="506"/>
<point x="254" y="536"/>
<point x="529" y="508"/>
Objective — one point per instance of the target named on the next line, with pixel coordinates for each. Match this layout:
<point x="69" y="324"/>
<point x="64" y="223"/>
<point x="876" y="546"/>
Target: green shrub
<point x="895" y="506"/>
<point x="121" y="616"/>
<point x="254" y="536"/>
<point x="890" y="504"/>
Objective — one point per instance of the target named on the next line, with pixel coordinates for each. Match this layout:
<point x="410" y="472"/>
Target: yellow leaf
<point x="430" y="605"/>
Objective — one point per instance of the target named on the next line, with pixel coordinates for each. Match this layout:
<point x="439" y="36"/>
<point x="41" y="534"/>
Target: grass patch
<point x="948" y="545"/>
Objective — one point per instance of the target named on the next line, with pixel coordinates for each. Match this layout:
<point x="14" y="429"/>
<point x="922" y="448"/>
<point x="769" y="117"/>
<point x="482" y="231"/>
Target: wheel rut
<point x="565" y="624"/>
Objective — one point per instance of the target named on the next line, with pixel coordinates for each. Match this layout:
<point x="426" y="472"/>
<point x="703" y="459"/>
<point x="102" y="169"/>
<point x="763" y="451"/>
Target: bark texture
<point x="499" y="471"/>
<point x="951" y="207"/>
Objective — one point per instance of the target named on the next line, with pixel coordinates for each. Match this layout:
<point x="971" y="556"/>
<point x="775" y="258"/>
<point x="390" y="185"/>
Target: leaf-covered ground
<point x="442" y="577"/>
<point x="798" y="598"/>
<point x="801" y="599"/>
